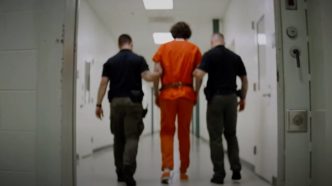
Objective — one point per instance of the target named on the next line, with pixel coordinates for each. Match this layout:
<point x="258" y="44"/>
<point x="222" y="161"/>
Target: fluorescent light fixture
<point x="162" y="37"/>
<point x="261" y="39"/>
<point x="158" y="4"/>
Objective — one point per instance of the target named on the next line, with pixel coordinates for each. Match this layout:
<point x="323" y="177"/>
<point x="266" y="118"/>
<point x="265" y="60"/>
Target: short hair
<point x="181" y="30"/>
<point x="124" y="39"/>
<point x="218" y="34"/>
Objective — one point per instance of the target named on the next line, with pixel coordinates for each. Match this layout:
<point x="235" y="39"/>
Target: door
<point x="266" y="150"/>
<point x="295" y="82"/>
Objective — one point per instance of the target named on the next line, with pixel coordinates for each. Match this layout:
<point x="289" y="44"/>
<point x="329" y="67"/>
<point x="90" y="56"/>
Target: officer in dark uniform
<point x="223" y="66"/>
<point x="124" y="72"/>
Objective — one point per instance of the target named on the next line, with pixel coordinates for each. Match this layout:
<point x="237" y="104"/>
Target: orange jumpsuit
<point x="178" y="58"/>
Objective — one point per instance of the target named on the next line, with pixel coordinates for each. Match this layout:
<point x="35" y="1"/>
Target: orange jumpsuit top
<point x="178" y="58"/>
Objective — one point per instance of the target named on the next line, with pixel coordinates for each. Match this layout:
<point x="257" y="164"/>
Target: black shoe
<point x="128" y="172"/>
<point x="130" y="181"/>
<point x="217" y="180"/>
<point x="164" y="182"/>
<point x="236" y="175"/>
<point x="121" y="177"/>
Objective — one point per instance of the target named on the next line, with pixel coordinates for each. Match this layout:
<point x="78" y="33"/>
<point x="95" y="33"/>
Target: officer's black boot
<point x="121" y="177"/>
<point x="129" y="176"/>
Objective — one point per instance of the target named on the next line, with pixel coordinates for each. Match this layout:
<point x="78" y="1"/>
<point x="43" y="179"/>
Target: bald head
<point x="217" y="39"/>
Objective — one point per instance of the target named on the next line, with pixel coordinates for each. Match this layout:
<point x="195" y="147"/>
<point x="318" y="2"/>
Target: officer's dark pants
<point x="221" y="119"/>
<point x="126" y="126"/>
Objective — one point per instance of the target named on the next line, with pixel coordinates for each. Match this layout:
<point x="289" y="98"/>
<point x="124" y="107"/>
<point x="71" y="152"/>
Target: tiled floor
<point x="99" y="170"/>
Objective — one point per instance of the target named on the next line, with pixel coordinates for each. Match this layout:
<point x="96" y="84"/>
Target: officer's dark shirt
<point x="223" y="66"/>
<point x="124" y="72"/>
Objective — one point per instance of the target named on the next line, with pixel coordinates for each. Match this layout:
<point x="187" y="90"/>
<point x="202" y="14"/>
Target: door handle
<point x="295" y="52"/>
<point x="297" y="56"/>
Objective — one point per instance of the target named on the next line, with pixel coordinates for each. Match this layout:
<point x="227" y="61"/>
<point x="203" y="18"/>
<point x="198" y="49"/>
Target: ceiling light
<point x="158" y="4"/>
<point x="162" y="37"/>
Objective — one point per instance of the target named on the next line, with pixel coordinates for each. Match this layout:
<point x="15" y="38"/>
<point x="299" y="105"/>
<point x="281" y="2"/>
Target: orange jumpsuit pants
<point x="170" y="109"/>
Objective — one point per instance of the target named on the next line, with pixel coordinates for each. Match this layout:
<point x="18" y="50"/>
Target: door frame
<point x="68" y="123"/>
<point x="280" y="93"/>
<point x="68" y="143"/>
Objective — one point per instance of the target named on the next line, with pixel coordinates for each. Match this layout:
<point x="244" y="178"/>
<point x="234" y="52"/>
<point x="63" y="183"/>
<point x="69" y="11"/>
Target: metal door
<point x="265" y="157"/>
<point x="295" y="83"/>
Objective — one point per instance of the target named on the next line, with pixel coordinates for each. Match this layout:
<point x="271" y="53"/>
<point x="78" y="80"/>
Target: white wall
<point x="320" y="29"/>
<point x="30" y="92"/>
<point x="18" y="91"/>
<point x="95" y="45"/>
<point x="257" y="125"/>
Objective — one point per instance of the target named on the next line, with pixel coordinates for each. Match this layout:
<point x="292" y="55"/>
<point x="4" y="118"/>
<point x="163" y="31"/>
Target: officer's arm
<point x="100" y="96"/>
<point x="152" y="76"/>
<point x="102" y="89"/>
<point x="244" y="88"/>
<point x="198" y="75"/>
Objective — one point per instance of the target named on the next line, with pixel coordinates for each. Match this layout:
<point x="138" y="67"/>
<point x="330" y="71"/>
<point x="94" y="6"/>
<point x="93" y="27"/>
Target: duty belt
<point x="176" y="85"/>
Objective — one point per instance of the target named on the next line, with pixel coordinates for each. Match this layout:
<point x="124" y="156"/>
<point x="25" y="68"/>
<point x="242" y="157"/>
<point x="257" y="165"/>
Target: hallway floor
<point x="98" y="170"/>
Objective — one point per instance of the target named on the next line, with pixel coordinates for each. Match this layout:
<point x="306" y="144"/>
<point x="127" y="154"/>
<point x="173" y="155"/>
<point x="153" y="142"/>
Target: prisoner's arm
<point x="159" y="69"/>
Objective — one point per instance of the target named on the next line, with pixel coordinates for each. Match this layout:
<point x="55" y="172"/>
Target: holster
<point x="209" y="94"/>
<point x="145" y="111"/>
<point x="136" y="96"/>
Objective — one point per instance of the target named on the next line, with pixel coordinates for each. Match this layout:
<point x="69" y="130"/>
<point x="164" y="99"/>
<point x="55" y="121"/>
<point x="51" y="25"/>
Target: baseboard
<point x="86" y="156"/>
<point x="102" y="148"/>
<point x="248" y="165"/>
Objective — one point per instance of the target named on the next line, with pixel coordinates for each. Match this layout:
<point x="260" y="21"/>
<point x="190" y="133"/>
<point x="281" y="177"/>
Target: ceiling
<point x="130" y="16"/>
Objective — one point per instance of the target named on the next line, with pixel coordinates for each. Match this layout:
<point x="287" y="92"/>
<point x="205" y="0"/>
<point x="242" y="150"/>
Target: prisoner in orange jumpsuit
<point x="176" y="97"/>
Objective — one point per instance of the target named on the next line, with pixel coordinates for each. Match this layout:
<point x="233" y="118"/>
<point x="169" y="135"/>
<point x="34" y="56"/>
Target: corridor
<point x="52" y="54"/>
<point x="98" y="170"/>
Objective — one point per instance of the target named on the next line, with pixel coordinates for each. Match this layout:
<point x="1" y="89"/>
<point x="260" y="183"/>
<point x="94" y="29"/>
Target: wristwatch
<point x="98" y="105"/>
